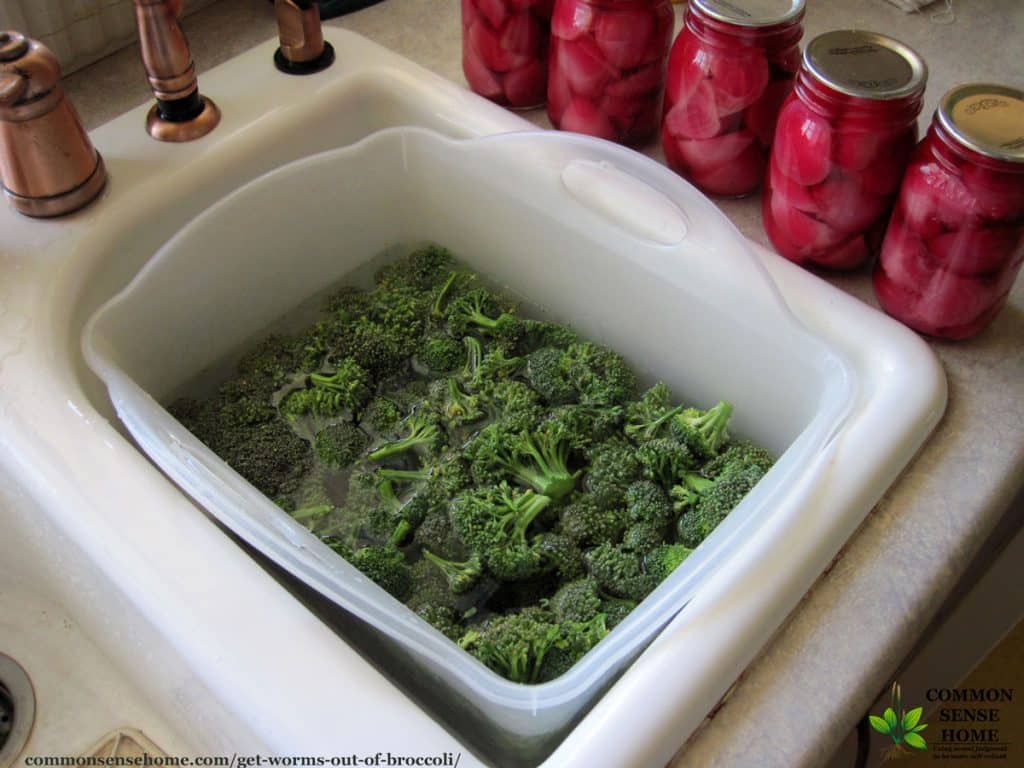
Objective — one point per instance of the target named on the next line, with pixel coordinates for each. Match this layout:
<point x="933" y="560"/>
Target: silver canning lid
<point x="987" y="118"/>
<point x="752" y="13"/>
<point x="865" y="64"/>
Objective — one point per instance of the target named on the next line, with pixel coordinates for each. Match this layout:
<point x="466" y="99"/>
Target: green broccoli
<point x="619" y="571"/>
<point x="715" y="503"/>
<point x="441" y="353"/>
<point x="456" y="407"/>
<point x="425" y="269"/>
<point x="418" y="430"/>
<point x="386" y="566"/>
<point x="647" y="502"/>
<point x="665" y="460"/>
<point x="687" y="492"/>
<point x="578" y="600"/>
<point x="613" y="466"/>
<point x="559" y="553"/>
<point x="703" y="432"/>
<point x="474" y="354"/>
<point x="588" y="524"/>
<point x="429" y="589"/>
<point x="514" y="645"/>
<point x="741" y="452"/>
<point x="545" y="374"/>
<point x="661" y="561"/>
<point x="378" y="350"/>
<point x="340" y="445"/>
<point x="460" y="576"/>
<point x="538" y="460"/>
<point x="381" y="415"/>
<point x="575" y="639"/>
<point x="443" y="619"/>
<point x="513" y="404"/>
<point x="479" y="310"/>
<point x="616" y="609"/>
<point x="543" y="333"/>
<point x="493" y="368"/>
<point x="649" y="417"/>
<point x="310" y="516"/>
<point x="643" y="537"/>
<point x="600" y="376"/>
<point x="346" y="389"/>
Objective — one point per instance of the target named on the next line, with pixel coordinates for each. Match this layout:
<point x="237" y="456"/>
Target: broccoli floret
<point x="588" y="524"/>
<point x="387" y="567"/>
<point x="560" y="554"/>
<point x="647" y="502"/>
<point x="340" y="445"/>
<point x="578" y="600"/>
<point x="703" y="432"/>
<point x="600" y="376"/>
<point x="687" y="492"/>
<point x="494" y="523"/>
<point x="346" y="389"/>
<point x="643" y="537"/>
<point x="376" y="349"/>
<point x="418" y="430"/>
<point x="616" y="609"/>
<point x="546" y="375"/>
<point x="542" y="333"/>
<point x="715" y="503"/>
<point x="436" y="534"/>
<point x="474" y="354"/>
<point x="408" y="396"/>
<point x="580" y="425"/>
<point x="441" y="353"/>
<point x="349" y="303"/>
<point x="661" y="561"/>
<point x="242" y="406"/>
<point x="649" y="416"/>
<point x="538" y="460"/>
<point x="743" y="453"/>
<point x="514" y="645"/>
<point x="269" y="365"/>
<point x="493" y="368"/>
<point x="456" y="407"/>
<point x="575" y="639"/>
<point x="479" y="310"/>
<point x="429" y="588"/>
<point x="402" y="311"/>
<point x="665" y="460"/>
<point x="393" y="520"/>
<point x="443" y="619"/>
<point x="460" y="576"/>
<point x="613" y="466"/>
<point x="425" y="268"/>
<point x="455" y="284"/>
<point x="382" y="415"/>
<point x="620" y="571"/>
<point x="514" y="405"/>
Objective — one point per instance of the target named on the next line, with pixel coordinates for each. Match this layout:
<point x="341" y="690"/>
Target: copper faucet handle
<point x="303" y="50"/>
<point x="48" y="165"/>
<point x="13" y="88"/>
<point x="181" y="113"/>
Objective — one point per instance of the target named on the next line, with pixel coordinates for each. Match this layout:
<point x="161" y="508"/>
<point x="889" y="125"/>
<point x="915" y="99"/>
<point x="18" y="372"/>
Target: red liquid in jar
<point x="955" y="243"/>
<point x="728" y="74"/>
<point x="606" y="73"/>
<point x="505" y="50"/>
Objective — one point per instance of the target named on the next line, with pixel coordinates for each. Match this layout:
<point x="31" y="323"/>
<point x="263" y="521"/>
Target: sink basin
<point x="237" y="656"/>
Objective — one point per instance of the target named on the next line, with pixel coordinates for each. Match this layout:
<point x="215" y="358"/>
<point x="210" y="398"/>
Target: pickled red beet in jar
<point x="730" y="69"/>
<point x="505" y="50"/>
<point x="606" y="72"/>
<point x="842" y="141"/>
<point x="955" y="242"/>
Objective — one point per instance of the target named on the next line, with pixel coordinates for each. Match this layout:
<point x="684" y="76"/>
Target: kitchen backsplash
<point x="78" y="31"/>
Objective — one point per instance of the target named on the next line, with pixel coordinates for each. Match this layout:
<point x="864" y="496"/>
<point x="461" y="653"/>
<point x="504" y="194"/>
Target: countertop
<point x="842" y="644"/>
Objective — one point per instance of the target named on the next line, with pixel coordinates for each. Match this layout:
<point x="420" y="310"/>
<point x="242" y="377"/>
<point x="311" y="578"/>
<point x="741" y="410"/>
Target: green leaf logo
<point x="903" y="727"/>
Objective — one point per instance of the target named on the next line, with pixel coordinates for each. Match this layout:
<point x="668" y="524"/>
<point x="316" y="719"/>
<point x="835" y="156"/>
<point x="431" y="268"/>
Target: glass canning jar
<point x="730" y="70"/>
<point x="606" y="74"/>
<point x="505" y="50"/>
<point x="955" y="242"/>
<point x="842" y="141"/>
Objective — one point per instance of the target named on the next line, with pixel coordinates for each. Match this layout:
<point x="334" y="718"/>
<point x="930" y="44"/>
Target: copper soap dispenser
<point x="48" y="165"/>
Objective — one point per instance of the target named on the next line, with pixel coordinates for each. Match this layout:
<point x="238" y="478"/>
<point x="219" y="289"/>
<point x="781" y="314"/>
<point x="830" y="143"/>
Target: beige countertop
<point x="843" y="643"/>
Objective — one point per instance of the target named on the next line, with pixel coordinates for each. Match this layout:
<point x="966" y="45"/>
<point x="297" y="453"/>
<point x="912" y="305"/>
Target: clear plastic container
<point x="606" y="75"/>
<point x="843" y="138"/>
<point x="730" y="70"/>
<point x="505" y="50"/>
<point x="955" y="242"/>
<point x="531" y="211"/>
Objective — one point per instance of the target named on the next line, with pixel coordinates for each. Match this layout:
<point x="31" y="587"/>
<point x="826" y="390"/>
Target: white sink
<point x="186" y="619"/>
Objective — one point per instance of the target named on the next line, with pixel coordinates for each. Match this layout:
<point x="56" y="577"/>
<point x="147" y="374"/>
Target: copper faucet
<point x="303" y="50"/>
<point x="180" y="112"/>
<point x="48" y="165"/>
